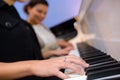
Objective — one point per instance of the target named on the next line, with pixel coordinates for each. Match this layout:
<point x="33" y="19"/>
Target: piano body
<point x="98" y="38"/>
<point x="102" y="19"/>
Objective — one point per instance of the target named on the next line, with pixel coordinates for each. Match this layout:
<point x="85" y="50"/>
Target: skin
<point x="61" y="52"/>
<point x="37" y="14"/>
<point x="41" y="68"/>
<point x="11" y="2"/>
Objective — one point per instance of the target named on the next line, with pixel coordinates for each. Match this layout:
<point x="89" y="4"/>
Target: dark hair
<point x="32" y="3"/>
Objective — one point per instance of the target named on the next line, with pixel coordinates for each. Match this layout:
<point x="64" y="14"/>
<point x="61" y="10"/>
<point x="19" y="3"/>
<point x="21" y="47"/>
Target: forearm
<point x="10" y="71"/>
<point x="64" y="44"/>
<point x="60" y="42"/>
<point x="48" y="54"/>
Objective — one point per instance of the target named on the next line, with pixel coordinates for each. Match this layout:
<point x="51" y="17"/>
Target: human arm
<point x="64" y="44"/>
<point x="59" y="52"/>
<point x="43" y="68"/>
<point x="10" y="71"/>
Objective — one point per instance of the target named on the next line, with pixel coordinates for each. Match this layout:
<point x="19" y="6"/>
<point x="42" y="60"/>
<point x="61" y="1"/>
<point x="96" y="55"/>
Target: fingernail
<point x="87" y="65"/>
<point x="83" y="73"/>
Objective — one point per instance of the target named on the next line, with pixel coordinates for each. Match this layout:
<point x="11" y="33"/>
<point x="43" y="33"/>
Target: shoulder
<point x="6" y="20"/>
<point x="2" y="4"/>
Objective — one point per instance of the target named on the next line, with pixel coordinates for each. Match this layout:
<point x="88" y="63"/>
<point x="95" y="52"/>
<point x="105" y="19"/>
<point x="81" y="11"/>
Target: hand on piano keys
<point x="102" y="66"/>
<point x="74" y="76"/>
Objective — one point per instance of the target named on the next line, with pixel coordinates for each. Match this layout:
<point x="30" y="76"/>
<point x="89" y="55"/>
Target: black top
<point x="18" y="41"/>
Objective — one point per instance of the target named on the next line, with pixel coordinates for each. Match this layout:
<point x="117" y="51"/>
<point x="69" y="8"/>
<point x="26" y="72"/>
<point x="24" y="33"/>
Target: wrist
<point x="26" y="68"/>
<point x="31" y="67"/>
<point x="48" y="54"/>
<point x="52" y="53"/>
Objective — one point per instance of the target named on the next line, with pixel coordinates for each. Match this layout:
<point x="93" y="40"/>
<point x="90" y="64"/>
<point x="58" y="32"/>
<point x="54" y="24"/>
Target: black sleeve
<point x="2" y="3"/>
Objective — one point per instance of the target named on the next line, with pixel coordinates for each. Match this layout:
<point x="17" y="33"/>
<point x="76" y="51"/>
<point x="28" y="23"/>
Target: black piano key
<point x="112" y="77"/>
<point x="97" y="68"/>
<point x="104" y="73"/>
<point x="90" y="51"/>
<point x="101" y="65"/>
<point x="104" y="63"/>
<point x="92" y="55"/>
<point x="100" y="61"/>
<point x="97" y="58"/>
<point x="85" y="47"/>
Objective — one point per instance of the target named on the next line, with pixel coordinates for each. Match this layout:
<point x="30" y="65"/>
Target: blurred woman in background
<point x="51" y="46"/>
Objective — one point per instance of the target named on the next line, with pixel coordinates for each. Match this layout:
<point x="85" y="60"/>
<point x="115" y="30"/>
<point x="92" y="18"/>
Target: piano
<point x="98" y="39"/>
<point x="65" y="30"/>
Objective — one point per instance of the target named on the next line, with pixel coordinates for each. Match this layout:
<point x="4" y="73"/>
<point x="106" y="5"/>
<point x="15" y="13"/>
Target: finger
<point x="70" y="45"/>
<point x="76" y="60"/>
<point x="61" y="75"/>
<point x="69" y="48"/>
<point x="75" y="68"/>
<point x="64" y="52"/>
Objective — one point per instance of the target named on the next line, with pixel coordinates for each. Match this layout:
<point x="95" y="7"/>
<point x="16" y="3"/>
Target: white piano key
<point x="75" y="51"/>
<point x="77" y="77"/>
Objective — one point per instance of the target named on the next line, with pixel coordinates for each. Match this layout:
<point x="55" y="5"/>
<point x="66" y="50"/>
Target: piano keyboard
<point x="102" y="66"/>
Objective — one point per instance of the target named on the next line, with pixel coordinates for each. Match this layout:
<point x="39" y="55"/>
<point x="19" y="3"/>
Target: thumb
<point x="61" y="75"/>
<point x="68" y="48"/>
